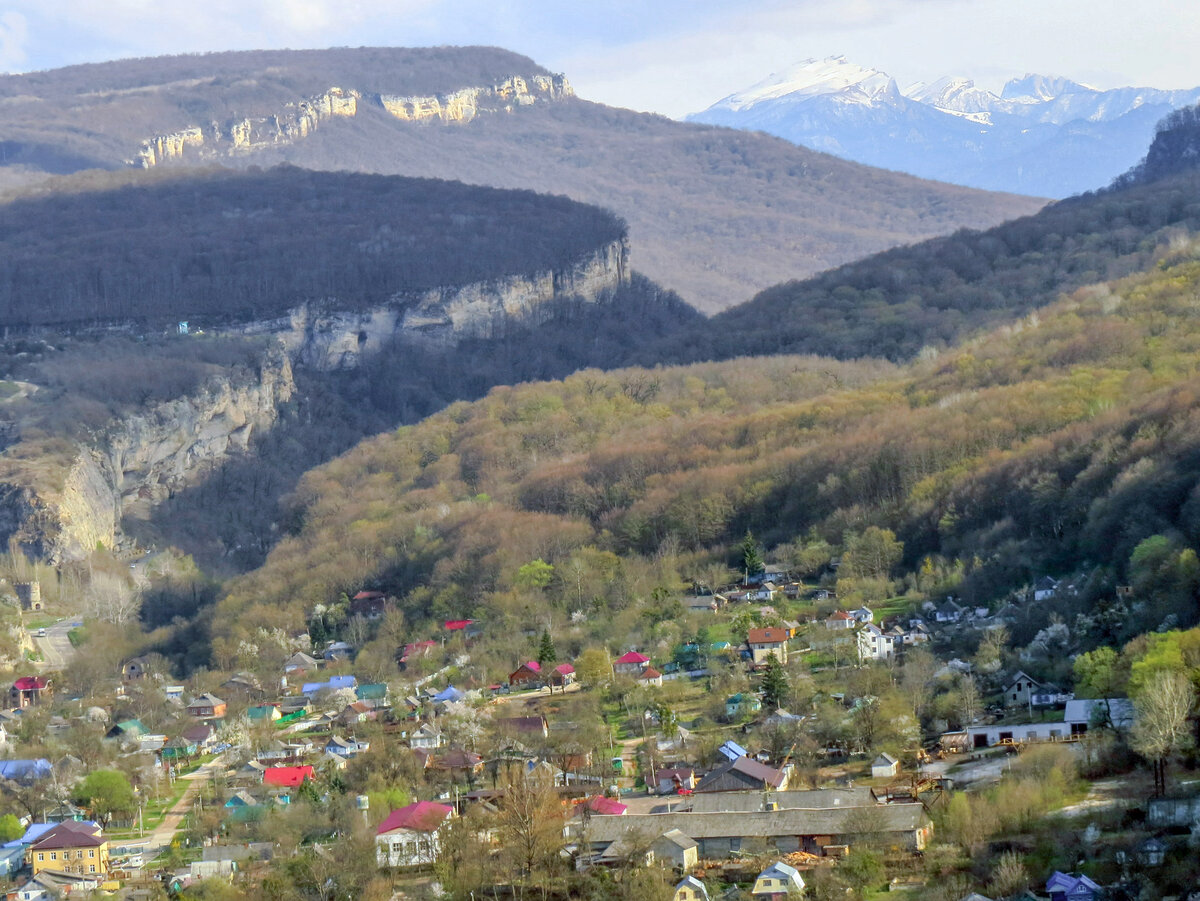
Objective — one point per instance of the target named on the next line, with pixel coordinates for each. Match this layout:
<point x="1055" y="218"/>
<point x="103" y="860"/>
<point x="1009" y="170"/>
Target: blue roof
<point x="33" y="833"/>
<point x="25" y="769"/>
<point x="449" y="693"/>
<point x="732" y="750"/>
<point x="334" y="683"/>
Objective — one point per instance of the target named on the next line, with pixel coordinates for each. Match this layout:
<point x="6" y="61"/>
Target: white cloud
<point x="14" y="32"/>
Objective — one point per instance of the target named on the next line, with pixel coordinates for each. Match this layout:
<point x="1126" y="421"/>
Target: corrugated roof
<point x="885" y="818"/>
<point x="423" y="816"/>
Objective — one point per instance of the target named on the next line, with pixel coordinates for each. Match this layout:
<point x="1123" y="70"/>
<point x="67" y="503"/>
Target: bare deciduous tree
<point x="1160" y="725"/>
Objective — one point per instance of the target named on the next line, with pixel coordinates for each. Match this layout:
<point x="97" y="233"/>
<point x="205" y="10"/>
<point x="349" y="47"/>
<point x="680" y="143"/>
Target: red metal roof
<point x="30" y="683"/>
<point x="605" y="806"/>
<point x="632" y="657"/>
<point x="453" y="625"/>
<point x="423" y="816"/>
<point x="288" y="776"/>
<point x="564" y="669"/>
<point x="367" y="595"/>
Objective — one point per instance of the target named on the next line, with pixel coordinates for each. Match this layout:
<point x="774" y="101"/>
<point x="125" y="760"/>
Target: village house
<point x="778" y="881"/>
<point x="408" y="837"/>
<point x="206" y="707"/>
<point x="526" y="675"/>
<point x="29" y="691"/>
<point x="136" y="668"/>
<point x="675" y="849"/>
<point x="1045" y="588"/>
<point x="671" y="780"/>
<point x="346" y="747"/>
<point x="243" y="685"/>
<point x="426" y="737"/>
<point x="839" y="619"/>
<point x="689" y="888"/>
<point x="863" y="615"/>
<point x="287" y="776"/>
<point x="741" y="703"/>
<point x="299" y="664"/>
<point x="650" y="676"/>
<point x="767" y="642"/>
<point x="1064" y="887"/>
<point x="368" y="604"/>
<point x="1021" y="689"/>
<point x="885" y="766"/>
<point x="70" y="847"/>
<point x="742" y="774"/>
<point x="875" y="644"/>
<point x="263" y="713"/>
<point x="561" y="676"/>
<point x="337" y="650"/>
<point x="631" y="664"/>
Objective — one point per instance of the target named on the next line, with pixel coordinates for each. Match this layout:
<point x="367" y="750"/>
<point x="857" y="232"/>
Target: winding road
<point x="56" y="648"/>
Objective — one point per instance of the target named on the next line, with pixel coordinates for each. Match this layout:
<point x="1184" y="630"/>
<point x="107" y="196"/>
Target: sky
<point x="667" y="56"/>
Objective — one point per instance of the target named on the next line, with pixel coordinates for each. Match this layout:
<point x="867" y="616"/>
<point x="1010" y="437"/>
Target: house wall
<point x="406" y="848"/>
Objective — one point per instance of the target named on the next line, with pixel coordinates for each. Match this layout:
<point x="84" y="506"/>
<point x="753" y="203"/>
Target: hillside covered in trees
<point x="714" y="214"/>
<point x="935" y="293"/>
<point x="224" y="246"/>
<point x="1058" y="443"/>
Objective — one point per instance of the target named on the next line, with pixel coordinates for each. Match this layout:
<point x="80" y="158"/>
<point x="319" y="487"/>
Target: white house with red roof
<point x="409" y="836"/>
<point x="631" y="664"/>
<point x="650" y="676"/>
<point x="840" y="619"/>
<point x="29" y="690"/>
<point x="768" y="642"/>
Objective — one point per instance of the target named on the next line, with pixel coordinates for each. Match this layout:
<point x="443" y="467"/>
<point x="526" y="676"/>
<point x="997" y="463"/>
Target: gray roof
<point x="745" y="802"/>
<point x="677" y="838"/>
<point x="1080" y="711"/>
<point x="745" y="770"/>
<point x="883" y="818"/>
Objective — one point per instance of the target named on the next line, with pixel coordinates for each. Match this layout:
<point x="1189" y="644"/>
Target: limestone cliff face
<point x="326" y="338"/>
<point x="296" y="120"/>
<point x="139" y="460"/>
<point x="300" y="119"/>
<point x="465" y="104"/>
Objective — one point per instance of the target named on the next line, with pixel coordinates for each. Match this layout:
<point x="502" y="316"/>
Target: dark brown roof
<point x="70" y="834"/>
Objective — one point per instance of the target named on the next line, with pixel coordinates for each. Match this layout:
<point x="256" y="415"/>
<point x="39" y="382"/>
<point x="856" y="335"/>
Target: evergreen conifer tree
<point x="775" y="686"/>
<point x="546" y="652"/>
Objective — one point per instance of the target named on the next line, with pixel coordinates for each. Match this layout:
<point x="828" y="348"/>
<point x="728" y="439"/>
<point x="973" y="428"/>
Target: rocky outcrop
<point x="296" y="120"/>
<point x="465" y="104"/>
<point x="323" y="337"/>
<point x="300" y="119"/>
<point x="141" y="459"/>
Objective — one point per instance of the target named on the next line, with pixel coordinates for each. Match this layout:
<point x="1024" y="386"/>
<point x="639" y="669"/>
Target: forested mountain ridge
<point x="228" y="248"/>
<point x="932" y="294"/>
<point x="1053" y="444"/>
<point x="714" y="214"/>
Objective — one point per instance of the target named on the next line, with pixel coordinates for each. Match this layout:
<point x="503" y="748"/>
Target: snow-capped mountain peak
<point x="953" y="95"/>
<point x="1040" y="88"/>
<point x="833" y="75"/>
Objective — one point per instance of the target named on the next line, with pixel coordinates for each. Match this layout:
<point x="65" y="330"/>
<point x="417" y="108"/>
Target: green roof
<point x="133" y="726"/>
<point x="372" y="691"/>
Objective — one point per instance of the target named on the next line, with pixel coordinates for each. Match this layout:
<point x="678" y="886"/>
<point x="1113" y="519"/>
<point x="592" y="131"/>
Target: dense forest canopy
<point x="224" y="245"/>
<point x="1057" y="443"/>
<point x="935" y="293"/>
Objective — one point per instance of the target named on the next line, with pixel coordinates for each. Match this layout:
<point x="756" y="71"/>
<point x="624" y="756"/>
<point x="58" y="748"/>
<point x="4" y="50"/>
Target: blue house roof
<point x="732" y="750"/>
<point x="25" y="769"/>
<point x="335" y="683"/>
<point x="449" y="693"/>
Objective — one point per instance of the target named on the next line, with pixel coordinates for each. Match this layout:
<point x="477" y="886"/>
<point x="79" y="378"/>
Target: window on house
<point x="92" y="868"/>
<point x="41" y="856"/>
<point x="92" y="853"/>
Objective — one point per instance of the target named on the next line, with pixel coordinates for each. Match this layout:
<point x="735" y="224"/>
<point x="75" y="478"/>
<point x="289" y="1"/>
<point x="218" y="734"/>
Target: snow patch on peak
<point x="954" y="95"/>
<point x="814" y="78"/>
<point x="1040" y="88"/>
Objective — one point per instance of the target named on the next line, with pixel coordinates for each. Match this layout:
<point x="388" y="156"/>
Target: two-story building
<point x="768" y="642"/>
<point x="70" y="847"/>
<point x="408" y="837"/>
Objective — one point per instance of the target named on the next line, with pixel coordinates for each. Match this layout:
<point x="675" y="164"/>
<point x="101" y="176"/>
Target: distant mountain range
<point x="1042" y="136"/>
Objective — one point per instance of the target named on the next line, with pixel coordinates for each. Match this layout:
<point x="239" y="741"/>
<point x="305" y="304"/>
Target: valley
<point x="370" y="533"/>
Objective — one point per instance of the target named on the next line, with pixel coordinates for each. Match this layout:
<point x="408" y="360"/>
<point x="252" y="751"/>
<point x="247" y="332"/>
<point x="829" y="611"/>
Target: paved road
<point x="56" y="649"/>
